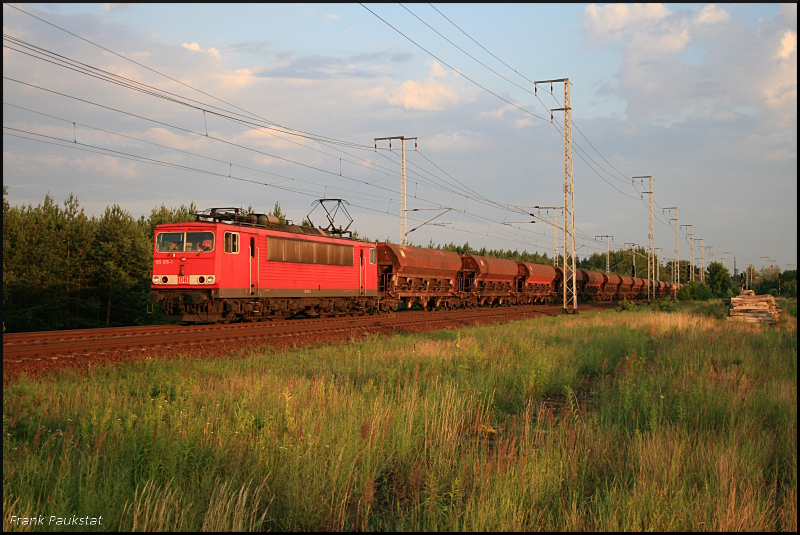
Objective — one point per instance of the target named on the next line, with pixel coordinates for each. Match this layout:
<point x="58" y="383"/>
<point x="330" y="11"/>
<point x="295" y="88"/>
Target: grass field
<point x="635" y="420"/>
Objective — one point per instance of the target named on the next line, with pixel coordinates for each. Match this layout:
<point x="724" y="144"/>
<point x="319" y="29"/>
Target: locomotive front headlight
<point x="210" y="279"/>
<point x="156" y="279"/>
<point x="164" y="279"/>
<point x="201" y="279"/>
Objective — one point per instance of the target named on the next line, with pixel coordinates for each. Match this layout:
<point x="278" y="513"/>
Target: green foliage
<point x="626" y="305"/>
<point x="663" y="305"/>
<point x="789" y="288"/>
<point x="63" y="270"/>
<point x="515" y="255"/>
<point x="718" y="280"/>
<point x="786" y="287"/>
<point x="695" y="291"/>
<point x="277" y="212"/>
<point x="163" y="214"/>
<point x="788" y="306"/>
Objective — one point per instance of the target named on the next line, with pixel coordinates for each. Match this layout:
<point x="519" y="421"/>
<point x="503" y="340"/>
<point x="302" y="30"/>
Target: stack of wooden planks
<point x="754" y="308"/>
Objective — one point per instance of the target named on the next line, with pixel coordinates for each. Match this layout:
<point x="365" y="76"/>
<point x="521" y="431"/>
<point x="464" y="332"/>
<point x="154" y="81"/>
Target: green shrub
<point x="695" y="291"/>
<point x="625" y="305"/>
<point x="663" y="305"/>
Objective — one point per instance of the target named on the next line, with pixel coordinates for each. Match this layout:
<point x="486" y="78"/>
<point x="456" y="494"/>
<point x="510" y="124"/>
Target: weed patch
<point x="603" y="421"/>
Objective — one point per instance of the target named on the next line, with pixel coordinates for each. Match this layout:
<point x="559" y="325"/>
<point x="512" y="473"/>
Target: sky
<point x="248" y="105"/>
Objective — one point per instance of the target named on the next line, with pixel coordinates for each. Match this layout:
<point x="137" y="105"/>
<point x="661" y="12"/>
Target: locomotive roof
<point x="291" y="229"/>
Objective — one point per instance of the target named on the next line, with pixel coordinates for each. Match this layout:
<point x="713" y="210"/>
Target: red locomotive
<point x="227" y="266"/>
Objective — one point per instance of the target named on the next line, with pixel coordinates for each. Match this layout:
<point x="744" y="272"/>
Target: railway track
<point x="29" y="351"/>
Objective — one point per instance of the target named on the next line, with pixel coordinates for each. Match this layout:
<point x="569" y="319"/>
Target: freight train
<point x="228" y="266"/>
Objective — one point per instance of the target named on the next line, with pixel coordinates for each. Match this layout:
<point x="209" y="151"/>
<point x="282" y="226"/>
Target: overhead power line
<point x="207" y="108"/>
<point x="127" y="156"/>
<point x="624" y="179"/>
<point x="454" y="69"/>
<point x="132" y="84"/>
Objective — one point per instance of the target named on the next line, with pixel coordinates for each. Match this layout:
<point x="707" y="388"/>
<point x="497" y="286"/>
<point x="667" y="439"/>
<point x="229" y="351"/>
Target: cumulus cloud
<point x="712" y="14"/>
<point x="613" y="21"/>
<point x="194" y="46"/>
<point x="426" y="95"/>
<point x="698" y="62"/>
<point x="788" y="45"/>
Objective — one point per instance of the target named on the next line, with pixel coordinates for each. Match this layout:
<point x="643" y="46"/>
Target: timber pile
<point x="754" y="308"/>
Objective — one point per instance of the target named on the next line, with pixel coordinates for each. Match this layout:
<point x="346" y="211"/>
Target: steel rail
<point x="23" y="346"/>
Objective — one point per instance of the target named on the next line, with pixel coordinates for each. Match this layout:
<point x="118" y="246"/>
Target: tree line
<point x="65" y="270"/>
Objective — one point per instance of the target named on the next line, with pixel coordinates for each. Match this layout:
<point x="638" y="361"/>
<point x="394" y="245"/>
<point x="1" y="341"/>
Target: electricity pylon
<point x="403" y="221"/>
<point x="676" y="267"/>
<point x="608" y="250"/>
<point x="651" y="267"/>
<point x="555" y="210"/>
<point x="691" y="251"/>
<point x="570" y="293"/>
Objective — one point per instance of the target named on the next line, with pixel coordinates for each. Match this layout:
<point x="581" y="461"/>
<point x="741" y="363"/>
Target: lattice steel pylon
<point x="570" y="295"/>
<point x="555" y="229"/>
<point x="651" y="266"/>
<point x="691" y="251"/>
<point x="403" y="210"/>
<point x="608" y="251"/>
<point x="676" y="265"/>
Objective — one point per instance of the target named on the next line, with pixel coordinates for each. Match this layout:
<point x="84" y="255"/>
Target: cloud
<point x="321" y="67"/>
<point x="113" y="7"/>
<point x="513" y="120"/>
<point x="788" y="45"/>
<point x="190" y="143"/>
<point x="613" y="21"/>
<point x="698" y="63"/>
<point x="426" y="95"/>
<point x="712" y="14"/>
<point x="457" y="141"/>
<point x="18" y="162"/>
<point x="332" y="17"/>
<point x="239" y="77"/>
<point x="194" y="46"/>
<point x="437" y="71"/>
<point x="107" y="166"/>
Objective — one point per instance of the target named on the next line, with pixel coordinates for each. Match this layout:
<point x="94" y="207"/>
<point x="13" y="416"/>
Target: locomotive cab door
<point x="253" y="265"/>
<point x="362" y="272"/>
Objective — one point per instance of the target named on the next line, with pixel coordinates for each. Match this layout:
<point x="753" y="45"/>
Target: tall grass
<point x="610" y="421"/>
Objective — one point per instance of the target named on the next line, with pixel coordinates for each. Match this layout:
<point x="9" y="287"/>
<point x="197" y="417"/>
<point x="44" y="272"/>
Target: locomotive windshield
<point x="179" y="242"/>
<point x="170" y="242"/>
<point x="199" y="241"/>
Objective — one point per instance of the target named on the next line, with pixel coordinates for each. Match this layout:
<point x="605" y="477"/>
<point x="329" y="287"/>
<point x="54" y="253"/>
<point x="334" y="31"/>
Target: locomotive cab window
<point x="170" y="242"/>
<point x="373" y="256"/>
<point x="232" y="242"/>
<point x="199" y="242"/>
